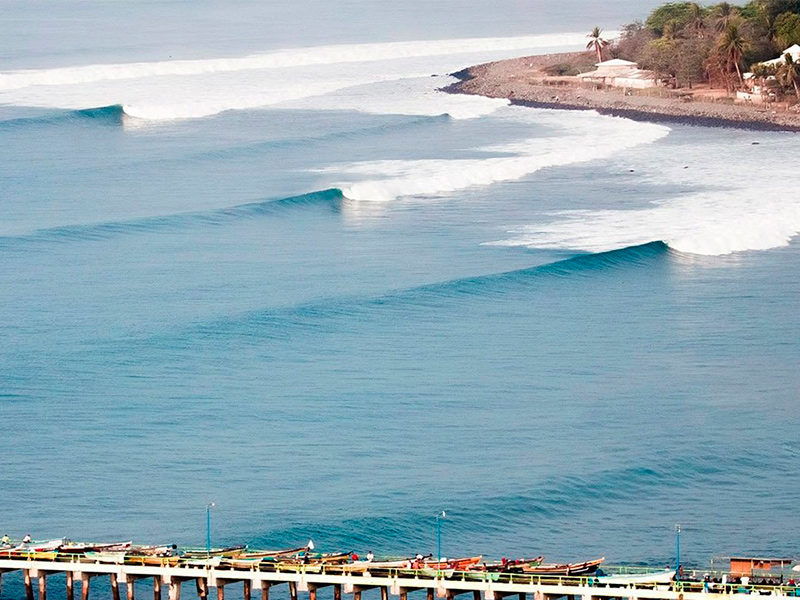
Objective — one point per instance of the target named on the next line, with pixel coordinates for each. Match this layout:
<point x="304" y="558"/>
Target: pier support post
<point x="70" y="585"/>
<point x="130" y="586"/>
<point x="312" y="593"/>
<point x="202" y="587"/>
<point x="42" y="586"/>
<point x="114" y="586"/>
<point x="403" y="594"/>
<point x="85" y="585"/>
<point x="522" y="595"/>
<point x="337" y="591"/>
<point x="157" y="587"/>
<point x="265" y="590"/>
<point x="293" y="591"/>
<point x="476" y="595"/>
<point x="174" y="589"/>
<point x="26" y="576"/>
<point x="220" y="590"/>
<point x="429" y="594"/>
<point x="246" y="591"/>
<point x="384" y="593"/>
<point x="357" y="595"/>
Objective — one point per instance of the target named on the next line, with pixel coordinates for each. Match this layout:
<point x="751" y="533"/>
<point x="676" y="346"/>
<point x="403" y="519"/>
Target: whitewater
<point x="395" y="78"/>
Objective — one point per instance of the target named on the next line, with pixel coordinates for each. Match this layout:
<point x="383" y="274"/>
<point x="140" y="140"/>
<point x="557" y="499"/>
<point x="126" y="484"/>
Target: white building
<point x="793" y="51"/>
<point x="620" y="73"/>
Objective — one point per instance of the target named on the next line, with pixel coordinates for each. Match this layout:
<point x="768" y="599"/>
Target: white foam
<point x="709" y="224"/>
<point x="583" y="136"/>
<point x="745" y="202"/>
<point x="201" y="88"/>
<point x="281" y="59"/>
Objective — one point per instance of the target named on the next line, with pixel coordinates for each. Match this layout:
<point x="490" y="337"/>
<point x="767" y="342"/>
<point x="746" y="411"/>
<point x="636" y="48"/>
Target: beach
<point x="524" y="81"/>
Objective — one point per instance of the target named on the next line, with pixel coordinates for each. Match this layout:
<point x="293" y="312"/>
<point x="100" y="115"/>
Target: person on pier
<point x="5" y="540"/>
<point x="27" y="539"/>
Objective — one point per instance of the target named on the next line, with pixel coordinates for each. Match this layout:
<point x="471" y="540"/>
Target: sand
<point x="523" y="81"/>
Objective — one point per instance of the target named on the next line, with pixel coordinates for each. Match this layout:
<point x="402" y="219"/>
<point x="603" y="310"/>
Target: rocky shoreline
<point x="525" y="81"/>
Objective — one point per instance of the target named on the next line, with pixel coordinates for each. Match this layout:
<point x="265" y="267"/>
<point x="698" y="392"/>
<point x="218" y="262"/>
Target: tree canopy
<point x="692" y="42"/>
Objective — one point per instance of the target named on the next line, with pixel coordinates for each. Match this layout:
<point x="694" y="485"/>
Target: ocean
<point x="250" y="254"/>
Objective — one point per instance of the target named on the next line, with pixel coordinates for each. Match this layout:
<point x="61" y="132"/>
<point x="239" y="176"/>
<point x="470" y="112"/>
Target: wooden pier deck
<point x="399" y="583"/>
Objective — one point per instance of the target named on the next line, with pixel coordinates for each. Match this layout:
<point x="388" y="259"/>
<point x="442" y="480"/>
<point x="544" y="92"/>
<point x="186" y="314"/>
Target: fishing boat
<point x="566" y="569"/>
<point x="109" y="557"/>
<point x="274" y="553"/>
<point x="218" y="552"/>
<point x="153" y="550"/>
<point x="654" y="577"/>
<point x="513" y="566"/>
<point x="82" y="548"/>
<point x="362" y="566"/>
<point x="457" y="564"/>
<point x="44" y="546"/>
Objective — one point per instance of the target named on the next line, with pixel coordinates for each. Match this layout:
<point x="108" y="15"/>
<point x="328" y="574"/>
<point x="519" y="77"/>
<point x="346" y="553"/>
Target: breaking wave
<point x="181" y="89"/>
<point x="281" y="59"/>
<point x="712" y="223"/>
<point x="584" y="136"/>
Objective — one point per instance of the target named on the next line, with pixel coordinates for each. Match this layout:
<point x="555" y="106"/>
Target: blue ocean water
<point x="336" y="301"/>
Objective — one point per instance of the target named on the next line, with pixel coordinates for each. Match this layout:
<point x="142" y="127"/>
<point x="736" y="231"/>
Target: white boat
<point x="41" y="546"/>
<point x="653" y="577"/>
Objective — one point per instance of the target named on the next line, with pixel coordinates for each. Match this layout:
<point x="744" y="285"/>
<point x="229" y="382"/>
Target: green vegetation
<point x="688" y="43"/>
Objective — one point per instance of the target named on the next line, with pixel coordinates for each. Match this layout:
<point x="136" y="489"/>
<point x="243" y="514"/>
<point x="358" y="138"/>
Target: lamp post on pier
<point x="677" y="552"/>
<point x="209" y="506"/>
<point x="439" y="517"/>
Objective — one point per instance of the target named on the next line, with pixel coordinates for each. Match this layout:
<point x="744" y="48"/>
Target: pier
<point x="303" y="583"/>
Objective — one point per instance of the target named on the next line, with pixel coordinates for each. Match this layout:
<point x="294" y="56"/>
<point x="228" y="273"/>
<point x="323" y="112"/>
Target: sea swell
<point x="92" y="232"/>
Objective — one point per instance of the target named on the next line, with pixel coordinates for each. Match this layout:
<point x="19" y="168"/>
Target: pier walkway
<point x="395" y="583"/>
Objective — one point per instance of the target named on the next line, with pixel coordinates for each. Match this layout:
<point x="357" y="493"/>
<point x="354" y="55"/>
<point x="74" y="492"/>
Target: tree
<point x="632" y="42"/>
<point x="722" y="15"/>
<point x="596" y="43"/>
<point x="789" y="74"/>
<point x="696" y="19"/>
<point x="787" y="29"/>
<point x="679" y="12"/>
<point x="731" y="45"/>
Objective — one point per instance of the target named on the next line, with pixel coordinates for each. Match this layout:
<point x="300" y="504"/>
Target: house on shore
<point x="620" y="73"/>
<point x="793" y="51"/>
<point x="765" y="89"/>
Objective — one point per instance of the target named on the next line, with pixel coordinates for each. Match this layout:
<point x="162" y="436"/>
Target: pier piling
<point x="70" y="585"/>
<point x="293" y="591"/>
<point x="42" y="586"/>
<point x="174" y="589"/>
<point x="429" y="594"/>
<point x="85" y="585"/>
<point x="26" y="576"/>
<point x="202" y="588"/>
<point x="337" y="591"/>
<point x="157" y="587"/>
<point x="384" y="593"/>
<point x="247" y="588"/>
<point x="114" y="586"/>
<point x="265" y="585"/>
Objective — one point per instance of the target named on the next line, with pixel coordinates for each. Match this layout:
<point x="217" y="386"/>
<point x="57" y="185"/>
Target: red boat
<point x="456" y="564"/>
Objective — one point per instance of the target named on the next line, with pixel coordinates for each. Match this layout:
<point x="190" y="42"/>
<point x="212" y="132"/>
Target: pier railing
<point x="218" y="573"/>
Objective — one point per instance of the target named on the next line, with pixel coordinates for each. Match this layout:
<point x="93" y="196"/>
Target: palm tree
<point x="732" y="46"/>
<point x="789" y="73"/>
<point x="696" y="19"/>
<point x="596" y="43"/>
<point x="723" y="15"/>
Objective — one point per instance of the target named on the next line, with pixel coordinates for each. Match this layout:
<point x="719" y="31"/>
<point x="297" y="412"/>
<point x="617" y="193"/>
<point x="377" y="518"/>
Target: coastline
<point x="524" y="82"/>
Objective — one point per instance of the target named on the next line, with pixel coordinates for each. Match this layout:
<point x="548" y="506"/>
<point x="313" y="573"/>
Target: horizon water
<point x="255" y="258"/>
